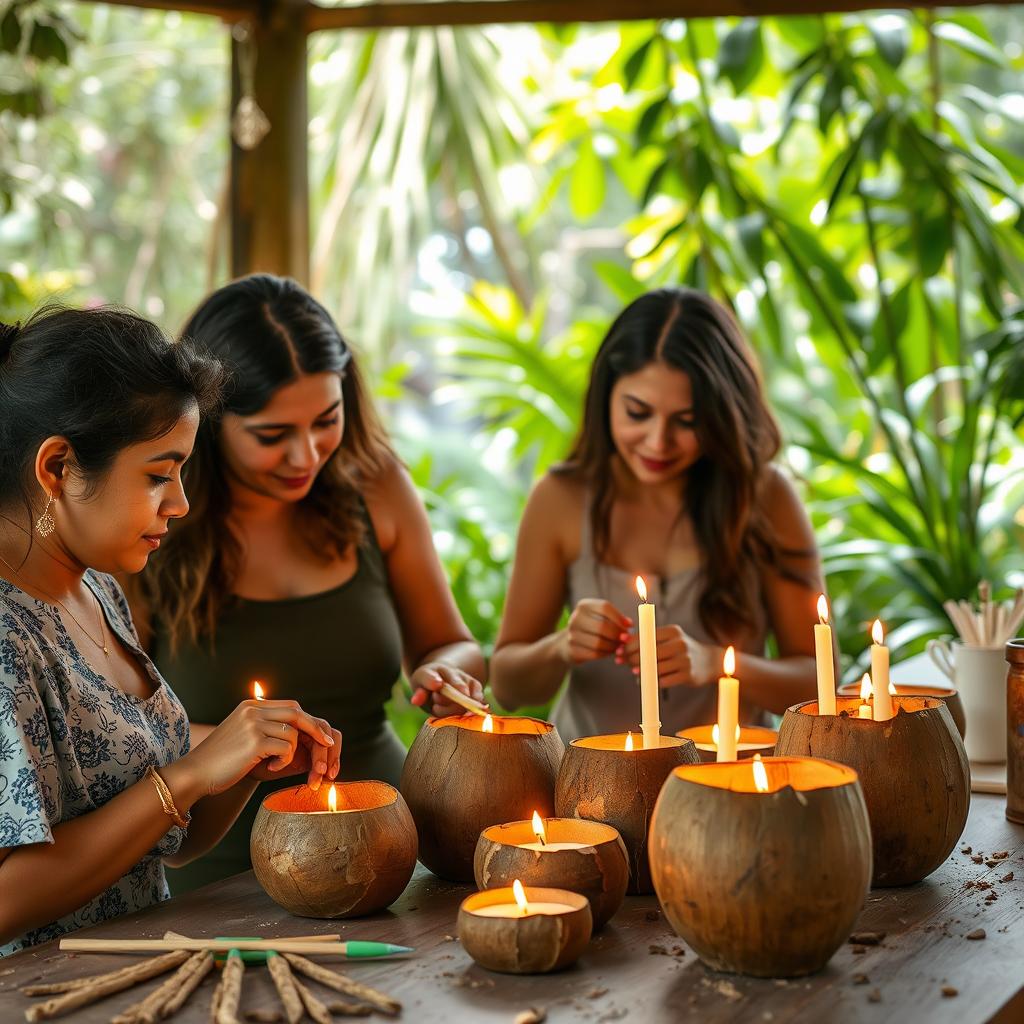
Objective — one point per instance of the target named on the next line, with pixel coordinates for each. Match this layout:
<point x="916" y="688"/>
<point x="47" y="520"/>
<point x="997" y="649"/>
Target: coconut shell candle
<point x="762" y="874"/>
<point x="587" y="857"/>
<point x="947" y="694"/>
<point x="319" y="862"/>
<point x="461" y="776"/>
<point x="604" y="780"/>
<point x="913" y="770"/>
<point x="525" y="930"/>
<point x="753" y="739"/>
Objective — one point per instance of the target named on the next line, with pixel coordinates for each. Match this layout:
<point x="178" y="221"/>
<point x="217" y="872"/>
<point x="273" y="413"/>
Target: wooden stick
<point x="284" y="982"/>
<point x="458" y="697"/>
<point x="149" y="1010"/>
<point x="335" y="937"/>
<point x="344" y="984"/>
<point x="194" y="945"/>
<point x="350" y="1009"/>
<point x="103" y="985"/>
<point x="218" y="994"/>
<point x="175" y="1003"/>
<point x="231" y="995"/>
<point x="158" y="965"/>
<point x="314" y="1007"/>
<point x="985" y="596"/>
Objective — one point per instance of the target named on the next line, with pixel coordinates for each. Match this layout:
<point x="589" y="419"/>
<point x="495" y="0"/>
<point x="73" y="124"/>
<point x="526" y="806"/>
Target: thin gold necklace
<point x="99" y="611"/>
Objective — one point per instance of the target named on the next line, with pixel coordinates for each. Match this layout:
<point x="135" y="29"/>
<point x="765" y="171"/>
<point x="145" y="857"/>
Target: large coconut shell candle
<point x="551" y="934"/>
<point x="587" y="857"/>
<point x="913" y="770"/>
<point x="458" y="779"/>
<point x="762" y="883"/>
<point x="603" y="781"/>
<point x="316" y="862"/>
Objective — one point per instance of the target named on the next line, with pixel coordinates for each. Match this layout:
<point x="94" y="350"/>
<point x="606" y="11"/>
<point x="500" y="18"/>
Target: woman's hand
<point x="265" y="739"/>
<point x="428" y="679"/>
<point x="594" y="631"/>
<point x="682" y="661"/>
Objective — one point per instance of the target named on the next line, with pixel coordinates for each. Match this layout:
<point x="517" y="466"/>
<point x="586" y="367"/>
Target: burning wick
<point x="892" y="689"/>
<point x="520" y="894"/>
<point x="760" y="775"/>
<point x="729" y="661"/>
<point x="332" y="798"/>
<point x="823" y="609"/>
<point x="257" y="691"/>
<point x="538" y="829"/>
<point x="865" y="688"/>
<point x="629" y="741"/>
<point x="641" y="588"/>
<point x="488" y="725"/>
<point x="877" y="633"/>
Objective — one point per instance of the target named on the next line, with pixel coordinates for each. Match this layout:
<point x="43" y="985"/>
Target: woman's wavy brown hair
<point x="267" y="331"/>
<point x="738" y="436"/>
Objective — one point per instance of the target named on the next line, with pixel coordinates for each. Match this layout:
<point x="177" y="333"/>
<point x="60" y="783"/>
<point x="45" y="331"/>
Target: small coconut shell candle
<point x="587" y="857"/>
<point x="753" y="740"/>
<point x="552" y="933"/>
<point x="948" y="694"/>
<point x="458" y="779"/>
<point x="603" y="781"/>
<point x="913" y="770"/>
<point x="315" y="862"/>
<point x="767" y="883"/>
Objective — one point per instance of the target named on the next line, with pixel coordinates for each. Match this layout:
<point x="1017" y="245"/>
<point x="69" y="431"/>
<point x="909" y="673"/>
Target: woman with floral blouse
<point x="98" y="784"/>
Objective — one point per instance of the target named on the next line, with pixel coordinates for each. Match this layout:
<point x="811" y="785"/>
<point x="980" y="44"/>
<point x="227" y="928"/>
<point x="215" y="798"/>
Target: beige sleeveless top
<point x="602" y="697"/>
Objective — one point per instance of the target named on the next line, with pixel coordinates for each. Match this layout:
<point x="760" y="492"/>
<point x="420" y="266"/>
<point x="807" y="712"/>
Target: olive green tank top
<point x="338" y="653"/>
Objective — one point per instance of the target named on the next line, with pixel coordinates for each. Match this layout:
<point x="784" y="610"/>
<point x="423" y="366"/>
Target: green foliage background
<point x="486" y="200"/>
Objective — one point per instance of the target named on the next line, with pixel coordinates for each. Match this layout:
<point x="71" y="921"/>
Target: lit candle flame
<point x="760" y="775"/>
<point x="729" y="661"/>
<point x="892" y="689"/>
<point x="865" y="688"/>
<point x="257" y="691"/>
<point x="332" y="798"/>
<point x="641" y="588"/>
<point x="823" y="609"/>
<point x="877" y="633"/>
<point x="715" y="734"/>
<point x="520" y="894"/>
<point x="488" y="725"/>
<point x="538" y="829"/>
<point x="629" y="741"/>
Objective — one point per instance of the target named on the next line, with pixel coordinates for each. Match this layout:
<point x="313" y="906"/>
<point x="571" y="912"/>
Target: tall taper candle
<point x="728" y="708"/>
<point x="650" y="713"/>
<point x="880" y="674"/>
<point x="825" y="663"/>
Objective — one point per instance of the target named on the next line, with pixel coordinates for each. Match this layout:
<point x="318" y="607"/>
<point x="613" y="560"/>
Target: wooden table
<point x="636" y="969"/>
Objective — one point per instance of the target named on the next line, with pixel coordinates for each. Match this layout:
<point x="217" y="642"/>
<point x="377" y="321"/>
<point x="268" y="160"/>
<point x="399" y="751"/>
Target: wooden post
<point x="269" y="190"/>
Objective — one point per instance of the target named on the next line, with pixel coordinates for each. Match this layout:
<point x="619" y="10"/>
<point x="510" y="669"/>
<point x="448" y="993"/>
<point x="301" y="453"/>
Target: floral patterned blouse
<point x="70" y="741"/>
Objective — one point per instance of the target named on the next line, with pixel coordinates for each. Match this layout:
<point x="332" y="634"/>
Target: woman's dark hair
<point x="267" y="331"/>
<point x="737" y="433"/>
<point x="104" y="379"/>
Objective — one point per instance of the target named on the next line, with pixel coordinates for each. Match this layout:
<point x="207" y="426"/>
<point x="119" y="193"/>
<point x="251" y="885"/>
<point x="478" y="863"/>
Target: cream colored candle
<point x="728" y="708"/>
<point x="824" y="660"/>
<point x="542" y="839"/>
<point x="650" y="714"/>
<point x="511" y="910"/>
<point x="880" y="674"/>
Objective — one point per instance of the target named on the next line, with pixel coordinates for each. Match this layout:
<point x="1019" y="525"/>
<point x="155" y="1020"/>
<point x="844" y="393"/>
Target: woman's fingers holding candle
<point x="595" y="630"/>
<point x="682" y="661"/>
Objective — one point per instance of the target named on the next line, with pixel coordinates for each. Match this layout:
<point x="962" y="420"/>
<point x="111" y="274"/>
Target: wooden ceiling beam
<point x="484" y="12"/>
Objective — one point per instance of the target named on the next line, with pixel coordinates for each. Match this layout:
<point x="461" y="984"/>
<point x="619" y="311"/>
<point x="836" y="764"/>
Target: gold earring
<point x="45" y="524"/>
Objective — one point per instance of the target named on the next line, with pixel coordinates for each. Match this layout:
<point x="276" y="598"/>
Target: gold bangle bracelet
<point x="166" y="800"/>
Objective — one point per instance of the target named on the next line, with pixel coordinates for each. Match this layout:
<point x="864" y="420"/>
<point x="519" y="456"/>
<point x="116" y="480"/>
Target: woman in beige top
<point x="670" y="478"/>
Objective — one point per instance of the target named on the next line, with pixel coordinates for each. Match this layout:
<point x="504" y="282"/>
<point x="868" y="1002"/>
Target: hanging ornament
<point x="249" y="125"/>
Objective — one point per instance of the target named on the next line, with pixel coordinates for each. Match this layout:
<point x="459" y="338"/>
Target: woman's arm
<point x="778" y="683"/>
<point x="532" y="656"/>
<point x="437" y="646"/>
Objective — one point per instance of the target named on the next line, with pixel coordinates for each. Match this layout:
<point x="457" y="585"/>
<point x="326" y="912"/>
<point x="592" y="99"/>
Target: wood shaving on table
<point x="535" y="1015"/>
<point x="315" y="1007"/>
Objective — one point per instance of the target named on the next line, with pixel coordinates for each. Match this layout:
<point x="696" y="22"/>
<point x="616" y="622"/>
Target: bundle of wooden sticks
<point x="992" y="623"/>
<point x="190" y="968"/>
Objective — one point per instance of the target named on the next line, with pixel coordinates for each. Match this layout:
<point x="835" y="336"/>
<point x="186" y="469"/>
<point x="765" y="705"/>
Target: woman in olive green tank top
<point x="307" y="561"/>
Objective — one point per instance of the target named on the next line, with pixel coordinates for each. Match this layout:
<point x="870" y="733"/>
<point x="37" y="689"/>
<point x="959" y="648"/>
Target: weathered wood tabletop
<point x="636" y="969"/>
